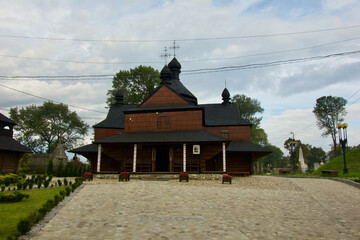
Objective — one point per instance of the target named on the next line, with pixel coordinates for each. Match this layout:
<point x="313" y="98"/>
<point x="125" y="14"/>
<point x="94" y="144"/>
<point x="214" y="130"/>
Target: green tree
<point x="50" y="168"/>
<point x="275" y="159"/>
<point x="329" y="111"/>
<point x="41" y="127"/>
<point x="136" y="84"/>
<point x="316" y="156"/>
<point x="250" y="109"/>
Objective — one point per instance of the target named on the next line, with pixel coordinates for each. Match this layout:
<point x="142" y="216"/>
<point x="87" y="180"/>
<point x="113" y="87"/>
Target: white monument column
<point x="224" y="156"/>
<point x="98" y="158"/>
<point x="134" y="159"/>
<point x="184" y="157"/>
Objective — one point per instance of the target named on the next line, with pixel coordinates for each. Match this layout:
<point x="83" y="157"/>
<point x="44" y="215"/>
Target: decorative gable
<point x="164" y="97"/>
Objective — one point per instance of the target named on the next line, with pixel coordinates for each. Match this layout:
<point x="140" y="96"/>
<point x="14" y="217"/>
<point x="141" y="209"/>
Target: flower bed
<point x="184" y="176"/>
<point x="124" y="176"/>
<point x="226" y="178"/>
<point x="88" y="176"/>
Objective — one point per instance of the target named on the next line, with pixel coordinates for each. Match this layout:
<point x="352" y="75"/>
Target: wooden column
<point x="171" y="157"/>
<point x="153" y="159"/>
<point x="184" y="157"/>
<point x="224" y="157"/>
<point x="134" y="158"/>
<point x="98" y="158"/>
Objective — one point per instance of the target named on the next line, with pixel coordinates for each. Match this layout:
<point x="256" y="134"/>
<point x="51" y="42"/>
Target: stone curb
<point x="37" y="227"/>
<point x="346" y="181"/>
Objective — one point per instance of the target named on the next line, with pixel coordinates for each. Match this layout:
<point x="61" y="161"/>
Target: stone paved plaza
<point x="250" y="208"/>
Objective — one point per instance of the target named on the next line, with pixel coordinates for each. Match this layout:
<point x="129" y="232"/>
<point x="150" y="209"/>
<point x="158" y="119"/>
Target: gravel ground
<point x="256" y="207"/>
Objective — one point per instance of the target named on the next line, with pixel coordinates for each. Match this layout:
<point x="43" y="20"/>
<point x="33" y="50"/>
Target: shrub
<point x="46" y="183"/>
<point x="24" y="226"/>
<point x="31" y="184"/>
<point x="50" y="177"/>
<point x="19" y="185"/>
<point x="2" y="187"/>
<point x="13" y="196"/>
<point x="59" y="171"/>
<point x="65" y="182"/>
<point x="49" y="204"/>
<point x="50" y="168"/>
<point x="73" y="187"/>
<point x="356" y="179"/>
<point x="62" y="193"/>
<point x="42" y="211"/>
<point x="32" y="217"/>
<point x="24" y="185"/>
<point x="59" y="182"/>
<point x="39" y="183"/>
<point x="57" y="199"/>
<point x="68" y="190"/>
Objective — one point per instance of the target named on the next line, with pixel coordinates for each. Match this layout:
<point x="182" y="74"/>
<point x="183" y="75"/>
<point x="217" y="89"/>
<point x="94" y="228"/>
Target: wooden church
<point x="170" y="132"/>
<point x="10" y="150"/>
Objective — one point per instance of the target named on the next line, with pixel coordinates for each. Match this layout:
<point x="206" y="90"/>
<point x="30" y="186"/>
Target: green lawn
<point x="352" y="164"/>
<point x="11" y="213"/>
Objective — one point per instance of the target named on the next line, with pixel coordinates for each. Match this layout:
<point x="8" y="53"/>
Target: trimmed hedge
<point x="15" y="196"/>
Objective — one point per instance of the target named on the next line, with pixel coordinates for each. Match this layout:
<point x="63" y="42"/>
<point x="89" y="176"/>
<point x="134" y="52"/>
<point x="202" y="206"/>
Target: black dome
<point x="174" y="64"/>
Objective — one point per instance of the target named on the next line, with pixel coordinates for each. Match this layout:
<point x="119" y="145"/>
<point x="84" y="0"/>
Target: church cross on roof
<point x="174" y="47"/>
<point x="165" y="54"/>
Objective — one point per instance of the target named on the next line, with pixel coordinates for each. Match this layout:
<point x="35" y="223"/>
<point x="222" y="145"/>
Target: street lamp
<point x="343" y="141"/>
<point x="292" y="147"/>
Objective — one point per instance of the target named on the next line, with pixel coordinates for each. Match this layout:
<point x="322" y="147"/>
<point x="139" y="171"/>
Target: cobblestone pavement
<point x="250" y="208"/>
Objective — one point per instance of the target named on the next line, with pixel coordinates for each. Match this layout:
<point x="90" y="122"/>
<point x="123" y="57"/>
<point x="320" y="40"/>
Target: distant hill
<point x="352" y="164"/>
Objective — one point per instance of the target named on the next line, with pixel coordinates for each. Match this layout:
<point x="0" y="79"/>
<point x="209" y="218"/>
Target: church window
<point x="225" y="133"/>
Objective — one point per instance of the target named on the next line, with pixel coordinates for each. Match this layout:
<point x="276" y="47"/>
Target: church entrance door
<point x="162" y="158"/>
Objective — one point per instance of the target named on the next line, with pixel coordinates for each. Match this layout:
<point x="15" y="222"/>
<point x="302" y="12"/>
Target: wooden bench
<point x="330" y="172"/>
<point x="284" y="171"/>
<point x="240" y="173"/>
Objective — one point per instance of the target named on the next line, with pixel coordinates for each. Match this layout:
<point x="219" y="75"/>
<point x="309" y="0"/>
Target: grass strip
<point x="11" y="213"/>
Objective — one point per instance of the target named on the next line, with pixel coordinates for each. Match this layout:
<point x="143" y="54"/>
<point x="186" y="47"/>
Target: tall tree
<point x="275" y="159"/>
<point x="316" y="155"/>
<point x="41" y="127"/>
<point x="136" y="84"/>
<point x="329" y="111"/>
<point x="250" y="109"/>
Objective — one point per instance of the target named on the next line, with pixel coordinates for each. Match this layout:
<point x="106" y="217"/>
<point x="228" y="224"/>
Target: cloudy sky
<point x="296" y="51"/>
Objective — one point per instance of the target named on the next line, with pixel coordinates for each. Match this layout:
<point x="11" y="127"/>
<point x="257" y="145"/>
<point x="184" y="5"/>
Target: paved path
<point x="250" y="208"/>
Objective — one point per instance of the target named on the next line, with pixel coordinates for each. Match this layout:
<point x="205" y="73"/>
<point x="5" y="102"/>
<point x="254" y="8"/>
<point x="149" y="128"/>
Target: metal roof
<point x="10" y="144"/>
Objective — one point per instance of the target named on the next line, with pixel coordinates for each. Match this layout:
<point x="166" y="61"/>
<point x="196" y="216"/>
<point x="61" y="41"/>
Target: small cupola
<point x="119" y="97"/>
<point x="175" y="68"/>
<point x="225" y="96"/>
<point x="165" y="75"/>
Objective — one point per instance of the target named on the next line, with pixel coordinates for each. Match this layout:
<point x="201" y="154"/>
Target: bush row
<point x="25" y="224"/>
<point x="12" y="196"/>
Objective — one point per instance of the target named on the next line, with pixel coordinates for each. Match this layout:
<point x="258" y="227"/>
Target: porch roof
<point x="10" y="144"/>
<point x="90" y="148"/>
<point x="164" y="137"/>
<point x="246" y="147"/>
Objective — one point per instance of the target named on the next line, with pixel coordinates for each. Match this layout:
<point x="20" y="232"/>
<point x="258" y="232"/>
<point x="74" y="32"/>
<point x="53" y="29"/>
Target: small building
<point x="41" y="161"/>
<point x="171" y="132"/>
<point x="11" y="150"/>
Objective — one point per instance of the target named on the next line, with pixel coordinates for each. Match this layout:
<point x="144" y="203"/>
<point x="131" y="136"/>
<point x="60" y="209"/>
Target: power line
<point x="198" y="71"/>
<point x="197" y="60"/>
<point x="180" y="39"/>
<point x="268" y="64"/>
<point x="46" y="99"/>
<point x="353" y="94"/>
